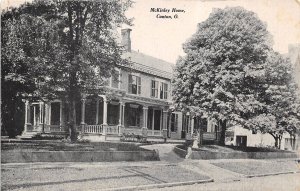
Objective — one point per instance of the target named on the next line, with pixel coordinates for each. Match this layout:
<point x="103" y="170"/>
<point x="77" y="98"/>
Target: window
<point x="134" y="86"/>
<point x="154" y="88"/>
<point x="163" y="90"/>
<point x="174" y="122"/>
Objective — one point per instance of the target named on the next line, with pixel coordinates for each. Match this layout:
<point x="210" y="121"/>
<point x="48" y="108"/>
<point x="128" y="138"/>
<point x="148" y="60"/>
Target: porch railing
<point x="118" y="130"/>
<point x="94" y="129"/>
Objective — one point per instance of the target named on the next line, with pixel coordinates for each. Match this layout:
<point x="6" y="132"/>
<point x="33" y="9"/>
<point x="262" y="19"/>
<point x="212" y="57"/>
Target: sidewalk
<point x="170" y="171"/>
<point x="99" y="176"/>
<point x="165" y="151"/>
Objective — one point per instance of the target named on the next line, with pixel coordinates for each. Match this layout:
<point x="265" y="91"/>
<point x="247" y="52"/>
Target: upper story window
<point x="154" y="88"/>
<point x="163" y="90"/>
<point x="134" y="85"/>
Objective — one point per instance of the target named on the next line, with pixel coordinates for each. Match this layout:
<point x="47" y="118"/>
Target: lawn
<point x="55" y="145"/>
<point x="227" y="148"/>
<point x="258" y="167"/>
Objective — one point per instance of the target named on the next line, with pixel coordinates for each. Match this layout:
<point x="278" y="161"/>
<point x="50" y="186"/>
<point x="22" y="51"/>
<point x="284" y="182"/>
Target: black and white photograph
<point x="170" y="95"/>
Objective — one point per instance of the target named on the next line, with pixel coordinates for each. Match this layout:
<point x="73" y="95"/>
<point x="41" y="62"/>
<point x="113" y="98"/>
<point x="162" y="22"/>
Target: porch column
<point x="27" y="115"/>
<point x="145" y="116"/>
<point x="46" y="119"/>
<point x="104" y="115"/>
<point x="83" y="111"/>
<point x="120" y="118"/>
<point x="187" y="122"/>
<point x="120" y="113"/>
<point x="34" y="115"/>
<point x="104" y="110"/>
<point x="192" y="124"/>
<point x="40" y="117"/>
<point x="145" y="120"/>
<point x="61" y="115"/>
<point x="49" y="117"/>
<point x="165" y="123"/>
<point x="41" y="121"/>
<point x="123" y="114"/>
<point x="82" y="114"/>
<point x="97" y="111"/>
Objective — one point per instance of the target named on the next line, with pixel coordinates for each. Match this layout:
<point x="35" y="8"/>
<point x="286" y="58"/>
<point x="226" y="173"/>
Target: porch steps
<point x="40" y="135"/>
<point x="29" y="135"/>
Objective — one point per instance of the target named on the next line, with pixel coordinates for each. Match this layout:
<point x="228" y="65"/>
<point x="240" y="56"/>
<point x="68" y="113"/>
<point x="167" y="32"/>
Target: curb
<point x="271" y="174"/>
<point x="163" y="185"/>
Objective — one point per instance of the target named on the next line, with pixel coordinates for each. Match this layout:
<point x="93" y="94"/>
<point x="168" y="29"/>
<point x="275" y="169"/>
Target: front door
<point x="156" y="119"/>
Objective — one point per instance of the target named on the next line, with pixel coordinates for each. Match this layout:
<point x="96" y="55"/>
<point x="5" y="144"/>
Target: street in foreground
<point x="99" y="176"/>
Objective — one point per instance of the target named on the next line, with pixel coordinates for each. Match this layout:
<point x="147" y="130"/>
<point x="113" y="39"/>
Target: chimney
<point x="126" y="42"/>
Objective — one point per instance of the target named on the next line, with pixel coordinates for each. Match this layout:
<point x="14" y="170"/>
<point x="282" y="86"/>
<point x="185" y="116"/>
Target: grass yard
<point x="227" y="148"/>
<point x="258" y="167"/>
<point x="54" y="145"/>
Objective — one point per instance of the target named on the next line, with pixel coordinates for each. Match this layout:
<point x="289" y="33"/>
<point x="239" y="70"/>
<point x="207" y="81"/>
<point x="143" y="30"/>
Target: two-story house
<point x="138" y="100"/>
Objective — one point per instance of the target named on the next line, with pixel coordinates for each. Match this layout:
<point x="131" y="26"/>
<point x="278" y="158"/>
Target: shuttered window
<point x="134" y="85"/>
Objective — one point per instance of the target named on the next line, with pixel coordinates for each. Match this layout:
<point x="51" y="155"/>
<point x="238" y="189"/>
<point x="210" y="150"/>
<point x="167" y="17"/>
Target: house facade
<point x="137" y="101"/>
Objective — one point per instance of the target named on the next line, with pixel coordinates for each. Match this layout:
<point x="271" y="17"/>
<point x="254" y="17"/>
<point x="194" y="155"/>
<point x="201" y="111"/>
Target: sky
<point x="163" y="38"/>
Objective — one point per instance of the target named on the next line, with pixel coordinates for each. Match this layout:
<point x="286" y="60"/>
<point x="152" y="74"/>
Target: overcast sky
<point x="163" y="38"/>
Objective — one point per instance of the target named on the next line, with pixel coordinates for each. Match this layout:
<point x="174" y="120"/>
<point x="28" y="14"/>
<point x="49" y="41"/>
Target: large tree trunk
<point x="10" y="126"/>
<point x="72" y="122"/>
<point x="277" y="140"/>
<point x="72" y="77"/>
<point x="222" y="134"/>
<point x="200" y="137"/>
<point x="293" y="141"/>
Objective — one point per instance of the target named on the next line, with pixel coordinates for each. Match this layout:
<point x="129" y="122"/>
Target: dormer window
<point x="134" y="85"/>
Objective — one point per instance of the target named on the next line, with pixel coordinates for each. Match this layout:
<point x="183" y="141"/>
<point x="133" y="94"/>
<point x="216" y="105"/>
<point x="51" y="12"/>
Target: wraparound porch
<point x="97" y="116"/>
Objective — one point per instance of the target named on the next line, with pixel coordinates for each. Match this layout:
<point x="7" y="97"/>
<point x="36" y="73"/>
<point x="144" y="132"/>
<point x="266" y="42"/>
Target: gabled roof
<point x="149" y="64"/>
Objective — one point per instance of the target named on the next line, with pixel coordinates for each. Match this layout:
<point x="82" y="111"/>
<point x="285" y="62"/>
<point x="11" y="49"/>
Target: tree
<point x="71" y="47"/>
<point x="15" y="78"/>
<point x="281" y="99"/>
<point x="222" y="73"/>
